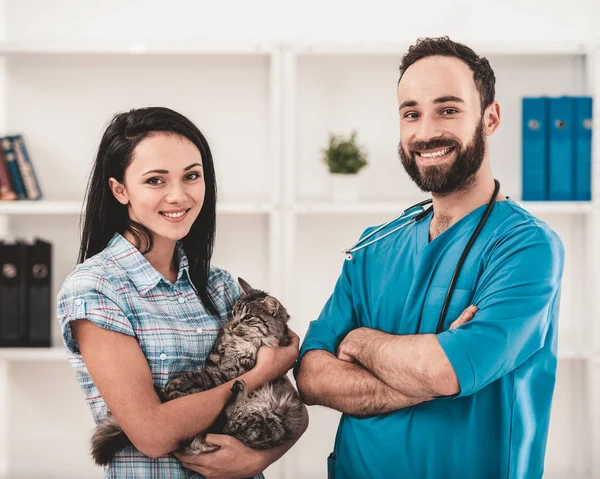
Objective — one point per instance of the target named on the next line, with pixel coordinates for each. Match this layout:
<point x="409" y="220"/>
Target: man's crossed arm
<point x="376" y="372"/>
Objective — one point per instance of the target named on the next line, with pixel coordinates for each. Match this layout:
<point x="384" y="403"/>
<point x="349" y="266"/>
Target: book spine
<point x="7" y="191"/>
<point x="32" y="184"/>
<point x="26" y="169"/>
<point x="13" y="168"/>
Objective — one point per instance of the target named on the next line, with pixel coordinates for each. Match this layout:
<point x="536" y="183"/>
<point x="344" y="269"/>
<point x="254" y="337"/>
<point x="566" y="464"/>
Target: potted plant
<point x="344" y="159"/>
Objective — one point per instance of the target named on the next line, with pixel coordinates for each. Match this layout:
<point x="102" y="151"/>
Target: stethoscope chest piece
<point x="410" y="215"/>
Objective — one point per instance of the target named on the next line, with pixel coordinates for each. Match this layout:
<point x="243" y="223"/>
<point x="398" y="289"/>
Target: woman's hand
<point x="276" y="361"/>
<point x="233" y="460"/>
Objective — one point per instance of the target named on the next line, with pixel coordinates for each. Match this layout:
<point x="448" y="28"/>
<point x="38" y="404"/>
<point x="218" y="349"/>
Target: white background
<point x="62" y="104"/>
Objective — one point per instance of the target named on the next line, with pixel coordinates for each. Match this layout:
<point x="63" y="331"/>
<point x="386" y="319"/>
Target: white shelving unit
<point x="267" y="111"/>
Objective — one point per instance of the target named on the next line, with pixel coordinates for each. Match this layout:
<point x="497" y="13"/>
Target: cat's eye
<point x="250" y="320"/>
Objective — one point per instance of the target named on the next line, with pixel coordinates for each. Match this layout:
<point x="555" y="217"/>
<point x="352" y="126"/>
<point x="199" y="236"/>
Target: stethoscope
<point x="416" y="213"/>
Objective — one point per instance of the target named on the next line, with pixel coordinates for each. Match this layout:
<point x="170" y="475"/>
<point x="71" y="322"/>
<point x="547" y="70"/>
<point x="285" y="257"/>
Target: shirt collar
<point x="139" y="270"/>
<point x="184" y="265"/>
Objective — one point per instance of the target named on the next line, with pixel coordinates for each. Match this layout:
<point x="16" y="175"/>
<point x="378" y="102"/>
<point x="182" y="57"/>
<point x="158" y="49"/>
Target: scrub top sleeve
<point x="336" y="320"/>
<point x="517" y="295"/>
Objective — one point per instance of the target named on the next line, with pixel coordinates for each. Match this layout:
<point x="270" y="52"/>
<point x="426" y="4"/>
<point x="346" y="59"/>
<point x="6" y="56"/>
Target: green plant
<point x="344" y="156"/>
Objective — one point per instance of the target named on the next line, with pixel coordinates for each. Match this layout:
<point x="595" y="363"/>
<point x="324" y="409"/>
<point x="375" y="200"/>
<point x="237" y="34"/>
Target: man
<point x="472" y="401"/>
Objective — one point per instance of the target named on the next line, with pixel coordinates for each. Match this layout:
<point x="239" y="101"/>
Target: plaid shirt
<point x="118" y="289"/>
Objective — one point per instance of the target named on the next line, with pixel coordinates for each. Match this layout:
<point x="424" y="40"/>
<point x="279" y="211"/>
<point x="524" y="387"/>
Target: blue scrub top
<point x="505" y="357"/>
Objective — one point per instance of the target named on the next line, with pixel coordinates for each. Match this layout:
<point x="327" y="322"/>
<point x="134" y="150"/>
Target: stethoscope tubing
<point x="417" y="216"/>
<point x="463" y="256"/>
<point x="412" y="218"/>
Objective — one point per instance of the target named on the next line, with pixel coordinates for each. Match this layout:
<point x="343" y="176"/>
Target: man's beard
<point x="444" y="179"/>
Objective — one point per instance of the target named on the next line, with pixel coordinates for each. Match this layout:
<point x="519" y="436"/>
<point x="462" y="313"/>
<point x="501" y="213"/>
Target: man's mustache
<point x="431" y="144"/>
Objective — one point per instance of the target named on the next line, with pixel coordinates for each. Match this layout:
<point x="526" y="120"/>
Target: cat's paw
<point x="160" y="392"/>
<point x="178" y="387"/>
<point x="199" y="446"/>
<point x="175" y="394"/>
<point x="239" y="387"/>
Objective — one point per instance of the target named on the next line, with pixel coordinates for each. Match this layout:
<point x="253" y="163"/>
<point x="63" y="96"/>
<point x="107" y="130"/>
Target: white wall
<point x="376" y="20"/>
<point x="269" y="21"/>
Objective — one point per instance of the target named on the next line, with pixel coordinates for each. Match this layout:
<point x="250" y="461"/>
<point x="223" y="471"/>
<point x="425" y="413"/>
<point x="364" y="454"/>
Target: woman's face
<point x="163" y="186"/>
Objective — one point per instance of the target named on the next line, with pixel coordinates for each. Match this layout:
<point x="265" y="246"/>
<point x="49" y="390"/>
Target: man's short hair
<point x="484" y="77"/>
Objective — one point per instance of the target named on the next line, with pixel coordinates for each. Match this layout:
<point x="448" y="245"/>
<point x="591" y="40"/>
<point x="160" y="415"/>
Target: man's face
<point x="442" y="135"/>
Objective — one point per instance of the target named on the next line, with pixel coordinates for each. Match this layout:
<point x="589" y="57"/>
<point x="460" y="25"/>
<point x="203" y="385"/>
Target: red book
<point x="7" y="191"/>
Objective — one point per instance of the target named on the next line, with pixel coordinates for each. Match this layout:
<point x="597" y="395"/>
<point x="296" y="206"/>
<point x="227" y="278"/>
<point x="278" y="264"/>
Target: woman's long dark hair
<point x="104" y="215"/>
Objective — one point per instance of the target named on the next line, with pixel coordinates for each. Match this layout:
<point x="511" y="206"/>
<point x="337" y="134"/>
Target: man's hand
<point x="352" y="343"/>
<point x="233" y="461"/>
<point x="465" y="317"/>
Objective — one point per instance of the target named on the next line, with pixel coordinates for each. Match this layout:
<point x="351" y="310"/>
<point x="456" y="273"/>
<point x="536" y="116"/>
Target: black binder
<point x="25" y="275"/>
<point x="13" y="292"/>
<point x="38" y="293"/>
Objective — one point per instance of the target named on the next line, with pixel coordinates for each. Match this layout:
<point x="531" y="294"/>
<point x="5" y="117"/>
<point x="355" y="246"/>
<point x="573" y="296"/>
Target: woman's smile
<point x="175" y="216"/>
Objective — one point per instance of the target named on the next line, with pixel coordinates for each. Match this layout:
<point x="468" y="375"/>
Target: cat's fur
<point x="270" y="416"/>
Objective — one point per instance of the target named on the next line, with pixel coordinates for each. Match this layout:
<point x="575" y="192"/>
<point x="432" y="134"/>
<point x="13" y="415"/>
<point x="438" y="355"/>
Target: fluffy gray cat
<point x="268" y="417"/>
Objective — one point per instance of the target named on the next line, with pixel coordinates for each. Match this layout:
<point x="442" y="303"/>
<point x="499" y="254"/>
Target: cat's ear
<point x="246" y="288"/>
<point x="272" y="304"/>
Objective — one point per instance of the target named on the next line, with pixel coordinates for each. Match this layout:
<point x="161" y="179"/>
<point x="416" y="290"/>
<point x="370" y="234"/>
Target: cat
<point x="270" y="416"/>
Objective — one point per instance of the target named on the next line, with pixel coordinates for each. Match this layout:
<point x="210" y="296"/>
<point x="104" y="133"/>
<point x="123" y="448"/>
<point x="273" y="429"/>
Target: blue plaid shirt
<point x="118" y="289"/>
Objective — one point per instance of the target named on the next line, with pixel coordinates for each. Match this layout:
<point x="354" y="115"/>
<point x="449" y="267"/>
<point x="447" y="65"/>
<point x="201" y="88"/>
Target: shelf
<point x="136" y="48"/>
<point x="245" y="208"/>
<point x="368" y="207"/>
<point x="33" y="354"/>
<point x="44" y="207"/>
<point x="567" y="353"/>
<point x="558" y="207"/>
<point x="262" y="48"/>
<point x="482" y="48"/>
<point x="358" y="207"/>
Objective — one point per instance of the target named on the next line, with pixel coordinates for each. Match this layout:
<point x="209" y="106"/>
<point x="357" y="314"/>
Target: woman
<point x="144" y="304"/>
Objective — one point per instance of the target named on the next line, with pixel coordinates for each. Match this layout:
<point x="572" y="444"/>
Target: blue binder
<point x="583" y="148"/>
<point x="561" y="185"/>
<point x="534" y="150"/>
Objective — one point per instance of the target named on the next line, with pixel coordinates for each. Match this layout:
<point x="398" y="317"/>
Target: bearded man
<point x="427" y="391"/>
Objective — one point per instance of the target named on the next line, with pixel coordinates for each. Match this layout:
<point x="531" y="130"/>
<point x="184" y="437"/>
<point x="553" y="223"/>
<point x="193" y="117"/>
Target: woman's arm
<point x="120" y="371"/>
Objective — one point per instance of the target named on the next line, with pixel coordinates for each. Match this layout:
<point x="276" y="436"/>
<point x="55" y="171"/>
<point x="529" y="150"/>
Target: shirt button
<point x="78" y="301"/>
<point x="182" y="300"/>
<point x="163" y="356"/>
<point x="199" y="330"/>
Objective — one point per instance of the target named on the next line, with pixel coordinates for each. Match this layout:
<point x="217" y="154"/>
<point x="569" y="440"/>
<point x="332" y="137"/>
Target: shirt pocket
<point x="196" y="342"/>
<point x="434" y="301"/>
<point x="161" y="345"/>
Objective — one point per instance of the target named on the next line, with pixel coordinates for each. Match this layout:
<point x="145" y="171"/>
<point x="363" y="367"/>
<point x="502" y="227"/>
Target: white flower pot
<point x="345" y="188"/>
